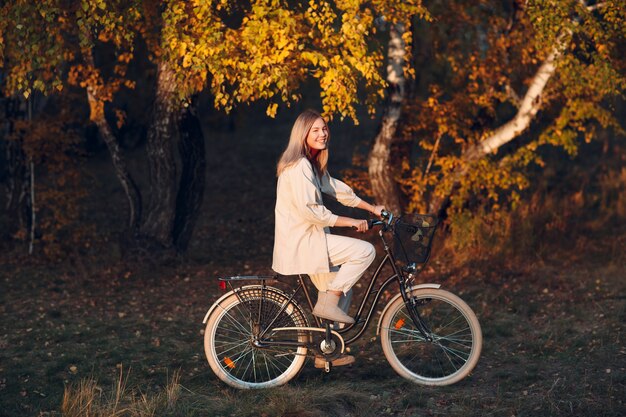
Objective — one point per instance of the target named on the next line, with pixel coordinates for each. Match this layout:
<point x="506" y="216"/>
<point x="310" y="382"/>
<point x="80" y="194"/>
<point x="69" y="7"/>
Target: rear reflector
<point x="229" y="362"/>
<point x="222" y="285"/>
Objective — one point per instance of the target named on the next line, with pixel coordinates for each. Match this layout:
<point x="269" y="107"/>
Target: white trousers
<point x="353" y="255"/>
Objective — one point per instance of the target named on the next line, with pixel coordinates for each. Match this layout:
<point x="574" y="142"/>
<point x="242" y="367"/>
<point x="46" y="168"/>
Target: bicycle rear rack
<point x="251" y="278"/>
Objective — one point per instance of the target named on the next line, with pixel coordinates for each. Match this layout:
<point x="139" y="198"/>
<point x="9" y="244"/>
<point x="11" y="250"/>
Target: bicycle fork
<point x="417" y="319"/>
<point x="412" y="306"/>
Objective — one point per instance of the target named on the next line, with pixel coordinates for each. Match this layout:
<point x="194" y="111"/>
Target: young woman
<point x="303" y="243"/>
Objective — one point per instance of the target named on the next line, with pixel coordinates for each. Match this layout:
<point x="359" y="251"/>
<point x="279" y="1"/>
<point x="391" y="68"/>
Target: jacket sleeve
<point x="340" y="191"/>
<point x="307" y="196"/>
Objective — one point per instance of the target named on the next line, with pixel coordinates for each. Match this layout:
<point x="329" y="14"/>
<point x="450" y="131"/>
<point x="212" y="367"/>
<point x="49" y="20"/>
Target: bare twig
<point x="432" y="155"/>
<point x="554" y="385"/>
<point x="513" y="96"/>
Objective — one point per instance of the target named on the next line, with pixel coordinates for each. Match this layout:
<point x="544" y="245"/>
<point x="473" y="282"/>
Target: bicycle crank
<point x="328" y="347"/>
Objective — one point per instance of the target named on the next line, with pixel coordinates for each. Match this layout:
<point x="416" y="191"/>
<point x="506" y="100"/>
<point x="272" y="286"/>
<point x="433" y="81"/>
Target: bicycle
<point x="258" y="336"/>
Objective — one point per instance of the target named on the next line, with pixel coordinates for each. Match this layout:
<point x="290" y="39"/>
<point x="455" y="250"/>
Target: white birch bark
<point x="384" y="187"/>
<point x="122" y="172"/>
<point x="531" y="103"/>
<point x="528" y="109"/>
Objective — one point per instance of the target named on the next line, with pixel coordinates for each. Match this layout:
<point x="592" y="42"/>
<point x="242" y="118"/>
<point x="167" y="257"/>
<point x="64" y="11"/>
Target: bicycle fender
<point x="228" y="294"/>
<point x="415" y="287"/>
<point x="215" y="304"/>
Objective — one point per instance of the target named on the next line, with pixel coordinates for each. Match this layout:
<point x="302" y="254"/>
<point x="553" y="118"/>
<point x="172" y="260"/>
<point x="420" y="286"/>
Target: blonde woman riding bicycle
<point x="303" y="243"/>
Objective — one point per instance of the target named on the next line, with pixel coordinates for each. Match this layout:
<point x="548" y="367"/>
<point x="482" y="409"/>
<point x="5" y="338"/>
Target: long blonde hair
<point x="297" y="147"/>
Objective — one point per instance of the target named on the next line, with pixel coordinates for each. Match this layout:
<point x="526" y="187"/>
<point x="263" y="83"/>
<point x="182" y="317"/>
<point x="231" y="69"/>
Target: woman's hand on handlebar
<point x="360" y="225"/>
<point x="385" y="218"/>
<point x="378" y="210"/>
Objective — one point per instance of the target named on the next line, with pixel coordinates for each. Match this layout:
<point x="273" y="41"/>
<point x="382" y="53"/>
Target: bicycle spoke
<point x="222" y="352"/>
<point x="445" y="352"/>
<point x="254" y="364"/>
<point x="455" y="352"/>
<point x="229" y="339"/>
<point x="456" y="341"/>
<point x="235" y="323"/>
<point x="464" y="329"/>
<point x="439" y="329"/>
<point x="267" y="368"/>
<point x="414" y="334"/>
<point x="277" y="365"/>
<point x="243" y="355"/>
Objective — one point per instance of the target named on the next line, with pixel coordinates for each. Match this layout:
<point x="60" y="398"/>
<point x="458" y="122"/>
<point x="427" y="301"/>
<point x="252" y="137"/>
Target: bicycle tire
<point x="229" y="335"/>
<point x="457" y="338"/>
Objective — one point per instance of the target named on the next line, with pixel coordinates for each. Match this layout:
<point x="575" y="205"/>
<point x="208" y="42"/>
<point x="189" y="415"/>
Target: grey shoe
<point x="344" y="305"/>
<point x="327" y="308"/>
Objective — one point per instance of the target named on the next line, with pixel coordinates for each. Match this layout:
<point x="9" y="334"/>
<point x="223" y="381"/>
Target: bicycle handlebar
<point x="386" y="216"/>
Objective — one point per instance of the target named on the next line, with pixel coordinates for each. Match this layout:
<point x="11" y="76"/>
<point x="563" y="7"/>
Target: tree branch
<point x="528" y="108"/>
<point x="593" y="7"/>
<point x="512" y="95"/>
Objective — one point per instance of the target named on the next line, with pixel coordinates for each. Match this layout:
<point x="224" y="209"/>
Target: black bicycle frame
<point x="397" y="276"/>
<point x="364" y="324"/>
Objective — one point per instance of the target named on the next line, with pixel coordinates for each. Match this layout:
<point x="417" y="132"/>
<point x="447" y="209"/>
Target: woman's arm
<point x="339" y="190"/>
<point x="376" y="210"/>
<point x="344" y="194"/>
<point x="359" y="224"/>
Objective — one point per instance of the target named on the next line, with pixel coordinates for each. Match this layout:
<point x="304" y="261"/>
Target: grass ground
<point x="553" y="327"/>
<point x="553" y="330"/>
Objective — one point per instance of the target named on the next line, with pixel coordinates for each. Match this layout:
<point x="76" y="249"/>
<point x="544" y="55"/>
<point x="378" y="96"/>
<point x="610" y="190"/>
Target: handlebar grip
<point x="385" y="215"/>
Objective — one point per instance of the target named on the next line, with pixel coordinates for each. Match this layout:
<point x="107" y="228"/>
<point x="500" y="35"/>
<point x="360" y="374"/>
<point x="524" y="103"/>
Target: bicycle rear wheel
<point x="232" y="345"/>
<point x="456" y="338"/>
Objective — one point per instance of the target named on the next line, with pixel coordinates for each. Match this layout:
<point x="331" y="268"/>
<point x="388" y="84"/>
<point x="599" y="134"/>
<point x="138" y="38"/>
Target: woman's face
<point x="317" y="139"/>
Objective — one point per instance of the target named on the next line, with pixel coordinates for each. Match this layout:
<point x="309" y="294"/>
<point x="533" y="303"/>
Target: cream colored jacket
<point x="302" y="221"/>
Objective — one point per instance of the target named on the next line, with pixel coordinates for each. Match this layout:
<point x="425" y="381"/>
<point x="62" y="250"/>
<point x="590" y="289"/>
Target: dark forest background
<point x="138" y="145"/>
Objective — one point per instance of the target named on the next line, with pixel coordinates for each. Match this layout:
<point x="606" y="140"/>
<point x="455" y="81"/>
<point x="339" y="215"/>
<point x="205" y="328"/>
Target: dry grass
<point x="88" y="399"/>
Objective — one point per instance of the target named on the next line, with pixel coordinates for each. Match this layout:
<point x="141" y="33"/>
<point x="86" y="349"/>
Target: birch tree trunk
<point x="384" y="187"/>
<point x="528" y="108"/>
<point x="163" y="131"/>
<point x="18" y="175"/>
<point x="133" y="195"/>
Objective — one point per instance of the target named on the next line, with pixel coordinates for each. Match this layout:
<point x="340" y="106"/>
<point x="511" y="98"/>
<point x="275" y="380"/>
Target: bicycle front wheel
<point x="453" y="327"/>
<point x="235" y="348"/>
